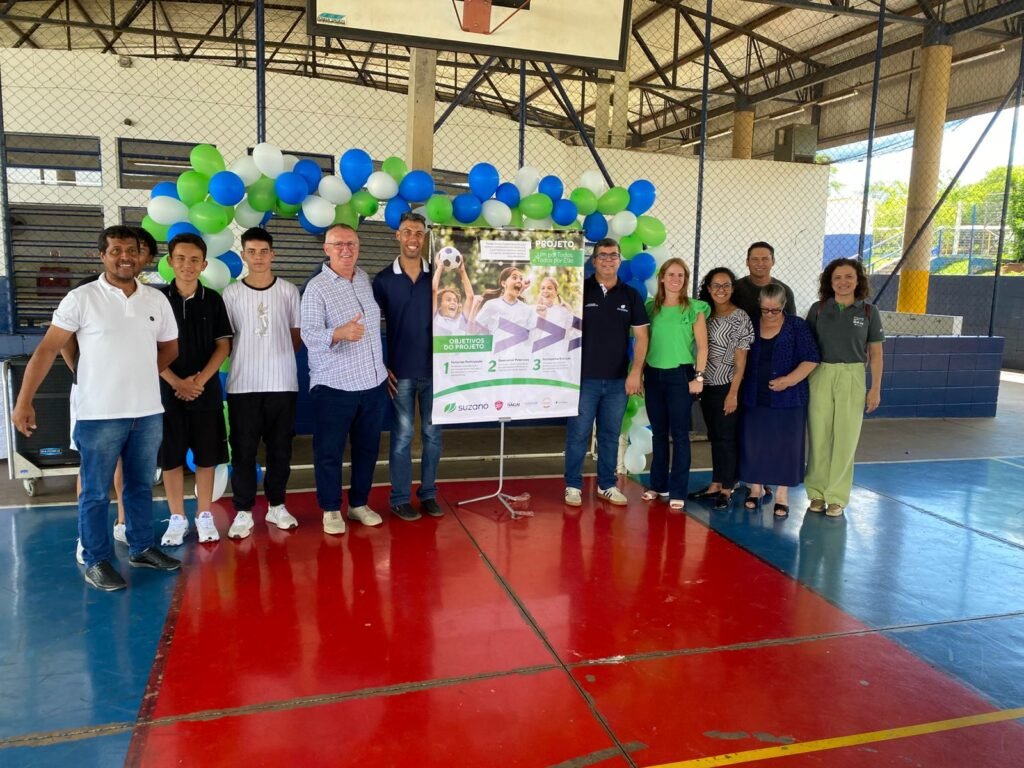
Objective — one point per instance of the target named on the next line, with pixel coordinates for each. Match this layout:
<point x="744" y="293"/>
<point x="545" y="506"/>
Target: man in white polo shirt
<point x="126" y="335"/>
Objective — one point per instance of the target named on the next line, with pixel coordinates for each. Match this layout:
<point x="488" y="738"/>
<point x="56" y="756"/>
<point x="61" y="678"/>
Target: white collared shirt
<point x="117" y="342"/>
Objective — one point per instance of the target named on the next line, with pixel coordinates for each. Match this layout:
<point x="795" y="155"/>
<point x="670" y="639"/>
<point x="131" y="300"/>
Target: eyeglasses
<point x="719" y="287"/>
<point x="607" y="257"/>
<point x="343" y="244"/>
<point x="771" y="311"/>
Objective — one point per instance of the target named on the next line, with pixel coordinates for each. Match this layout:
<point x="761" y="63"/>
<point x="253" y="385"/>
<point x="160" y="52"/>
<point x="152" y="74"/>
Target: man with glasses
<point x="611" y="310"/>
<point x="404" y="293"/>
<point x="341" y="329"/>
<point x="263" y="383"/>
<point x="747" y="290"/>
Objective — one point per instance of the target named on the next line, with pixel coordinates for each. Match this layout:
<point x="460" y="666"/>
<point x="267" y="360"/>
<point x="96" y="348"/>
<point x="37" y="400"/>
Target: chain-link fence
<point x="744" y="119"/>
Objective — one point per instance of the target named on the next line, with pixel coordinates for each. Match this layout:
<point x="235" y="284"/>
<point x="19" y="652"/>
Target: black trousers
<point x="266" y="416"/>
<point x="722" y="432"/>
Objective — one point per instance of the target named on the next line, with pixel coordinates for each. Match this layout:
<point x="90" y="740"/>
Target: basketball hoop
<point x="477" y="14"/>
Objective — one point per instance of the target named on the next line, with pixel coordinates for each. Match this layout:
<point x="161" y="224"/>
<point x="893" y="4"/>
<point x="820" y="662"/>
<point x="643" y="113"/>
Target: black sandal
<point x="781" y="510"/>
<point x="703" y="494"/>
<point x="751" y="502"/>
<point x="722" y="501"/>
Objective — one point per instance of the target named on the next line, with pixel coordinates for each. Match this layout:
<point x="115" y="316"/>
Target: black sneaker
<point x="405" y="512"/>
<point x="432" y="508"/>
<point x="104" y="576"/>
<point x="154" y="558"/>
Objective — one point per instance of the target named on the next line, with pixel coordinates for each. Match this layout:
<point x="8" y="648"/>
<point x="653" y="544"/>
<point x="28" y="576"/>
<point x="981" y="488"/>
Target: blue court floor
<point x="558" y="615"/>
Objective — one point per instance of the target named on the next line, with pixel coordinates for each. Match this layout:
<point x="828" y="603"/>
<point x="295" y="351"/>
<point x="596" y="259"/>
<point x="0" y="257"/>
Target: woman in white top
<point x="505" y="304"/>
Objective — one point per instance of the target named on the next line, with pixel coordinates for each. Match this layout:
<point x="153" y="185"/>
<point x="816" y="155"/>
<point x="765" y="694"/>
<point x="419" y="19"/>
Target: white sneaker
<point x="121" y="533"/>
<point x="281" y="517"/>
<point x="205" y="528"/>
<point x="80" y="553"/>
<point x="364" y="515"/>
<point x="573" y="497"/>
<point x="613" y="496"/>
<point x="334" y="523"/>
<point x="177" y="530"/>
<point x="241" y="526"/>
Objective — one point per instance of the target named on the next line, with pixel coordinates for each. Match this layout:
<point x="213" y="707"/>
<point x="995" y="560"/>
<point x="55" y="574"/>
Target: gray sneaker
<point x="334" y="523"/>
<point x="364" y="515"/>
<point x="573" y="497"/>
<point x="613" y="496"/>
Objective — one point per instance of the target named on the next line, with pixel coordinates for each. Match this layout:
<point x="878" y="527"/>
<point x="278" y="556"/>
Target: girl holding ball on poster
<point x="451" y="317"/>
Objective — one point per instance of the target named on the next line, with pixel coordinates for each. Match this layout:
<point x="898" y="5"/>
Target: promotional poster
<point x="506" y="323"/>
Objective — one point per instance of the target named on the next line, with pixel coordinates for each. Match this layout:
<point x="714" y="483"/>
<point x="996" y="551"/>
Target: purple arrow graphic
<point x="555" y="333"/>
<point x="577" y="325"/>
<point x="517" y="334"/>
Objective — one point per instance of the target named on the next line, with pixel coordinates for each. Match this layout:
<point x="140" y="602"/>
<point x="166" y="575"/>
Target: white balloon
<point x="218" y="243"/>
<point x="529" y="223"/>
<point x="641" y="437"/>
<point x="382" y="185"/>
<point x="289" y="161"/>
<point x="623" y="223"/>
<point x="319" y="212"/>
<point x="640" y="417"/>
<point x="245" y="168"/>
<point x="496" y="213"/>
<point x="661" y="253"/>
<point x="220" y="481"/>
<point x="335" y="190"/>
<point x="651" y="283"/>
<point x="216" y="276"/>
<point x="167" y="210"/>
<point x="526" y="180"/>
<point x="246" y="216"/>
<point x="634" y="460"/>
<point x="421" y="210"/>
<point x="594" y="181"/>
<point x="269" y="160"/>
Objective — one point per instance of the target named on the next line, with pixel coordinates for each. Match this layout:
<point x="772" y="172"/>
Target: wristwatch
<point x="699" y="377"/>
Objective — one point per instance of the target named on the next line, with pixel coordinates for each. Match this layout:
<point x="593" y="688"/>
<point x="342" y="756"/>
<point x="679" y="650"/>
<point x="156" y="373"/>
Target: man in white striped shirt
<point x="263" y="382"/>
<point x="341" y="330"/>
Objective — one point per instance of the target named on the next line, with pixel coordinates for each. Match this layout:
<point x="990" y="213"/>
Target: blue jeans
<point x="603" y="400"/>
<point x="403" y="406"/>
<point x="101" y="442"/>
<point x="668" y="399"/>
<point x="339" y="415"/>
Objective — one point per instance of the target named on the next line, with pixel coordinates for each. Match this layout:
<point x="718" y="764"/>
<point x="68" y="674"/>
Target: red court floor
<point x="605" y="637"/>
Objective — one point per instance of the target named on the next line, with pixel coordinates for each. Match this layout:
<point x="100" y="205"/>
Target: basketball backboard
<point x="589" y="33"/>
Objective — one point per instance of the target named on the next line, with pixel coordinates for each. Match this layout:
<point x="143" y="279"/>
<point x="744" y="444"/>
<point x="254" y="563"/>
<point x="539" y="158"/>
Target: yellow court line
<point x="853" y="740"/>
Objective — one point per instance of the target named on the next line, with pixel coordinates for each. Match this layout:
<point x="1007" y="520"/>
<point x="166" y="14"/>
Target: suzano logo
<point x="450" y="408"/>
<point x="473" y="407"/>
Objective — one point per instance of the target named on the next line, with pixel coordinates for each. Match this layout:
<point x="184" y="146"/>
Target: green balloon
<point x="206" y="159"/>
<point x="262" y="196"/>
<point x="585" y="200"/>
<point x="651" y="230"/>
<point x="395" y="167"/>
<point x="156" y="229"/>
<point x="439" y="209"/>
<point x="517" y="218"/>
<point x="364" y="203"/>
<point x="630" y="245"/>
<point x="286" y="210"/>
<point x="346" y="214"/>
<point x="224" y="368"/>
<point x="164" y="268"/>
<point x="193" y="187"/>
<point x="613" y="201"/>
<point x="207" y="217"/>
<point x="536" y="206"/>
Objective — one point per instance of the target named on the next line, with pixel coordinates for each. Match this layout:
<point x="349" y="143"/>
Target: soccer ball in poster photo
<point x="450" y="257"/>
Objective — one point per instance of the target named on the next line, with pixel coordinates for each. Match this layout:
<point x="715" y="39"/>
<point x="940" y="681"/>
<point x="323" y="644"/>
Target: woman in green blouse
<point x="673" y="375"/>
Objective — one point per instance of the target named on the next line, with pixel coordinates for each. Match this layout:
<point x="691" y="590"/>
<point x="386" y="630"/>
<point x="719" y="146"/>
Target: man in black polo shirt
<point x="404" y="293"/>
<point x="611" y="309"/>
<point x="746" y="292"/>
<point x="191" y="392"/>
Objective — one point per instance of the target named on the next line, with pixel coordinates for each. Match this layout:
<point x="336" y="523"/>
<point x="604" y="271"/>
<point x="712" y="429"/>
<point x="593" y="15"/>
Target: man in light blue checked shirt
<point x="341" y="330"/>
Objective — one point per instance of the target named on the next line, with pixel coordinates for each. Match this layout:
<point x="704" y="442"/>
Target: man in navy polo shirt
<point x="611" y="309"/>
<point x="404" y="293"/>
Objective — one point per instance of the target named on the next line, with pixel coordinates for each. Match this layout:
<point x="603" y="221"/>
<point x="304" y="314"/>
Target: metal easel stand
<point x="507" y="500"/>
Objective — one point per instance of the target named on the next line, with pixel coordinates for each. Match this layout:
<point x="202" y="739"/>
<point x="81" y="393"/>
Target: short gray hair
<point x="773" y="292"/>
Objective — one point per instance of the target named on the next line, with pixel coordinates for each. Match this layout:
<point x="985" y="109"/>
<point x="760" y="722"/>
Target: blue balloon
<point x="641" y="196"/>
<point x="551" y="186"/>
<point x="266" y="218"/>
<point x="625" y="271"/>
<point x="291" y="188"/>
<point x="259" y="473"/>
<point x="190" y="460"/>
<point x="643" y="266"/>
<point x="355" y="166"/>
<point x="564" y="212"/>
<point x="233" y="262"/>
<point x="309" y="226"/>
<point x="311" y="172"/>
<point x="588" y="268"/>
<point x="416" y="186"/>
<point x="466" y="208"/>
<point x="393" y="211"/>
<point x="227" y="188"/>
<point x="165" y="189"/>
<point x="508" y="193"/>
<point x="639" y="285"/>
<point x="223" y="385"/>
<point x="181" y="228"/>
<point x="595" y="227"/>
<point x="483" y="180"/>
